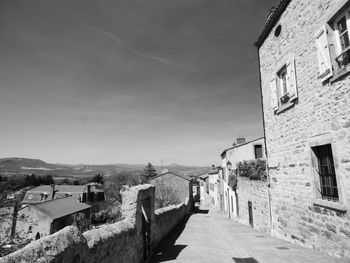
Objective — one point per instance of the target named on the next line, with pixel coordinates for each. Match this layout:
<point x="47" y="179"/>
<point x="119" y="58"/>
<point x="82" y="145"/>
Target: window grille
<point x="326" y="171"/>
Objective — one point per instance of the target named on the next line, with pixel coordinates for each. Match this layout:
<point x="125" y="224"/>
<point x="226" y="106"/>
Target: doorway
<point x="250" y="212"/>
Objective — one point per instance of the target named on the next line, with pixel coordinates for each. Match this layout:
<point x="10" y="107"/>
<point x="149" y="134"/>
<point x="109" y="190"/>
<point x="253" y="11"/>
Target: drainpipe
<point x="266" y="157"/>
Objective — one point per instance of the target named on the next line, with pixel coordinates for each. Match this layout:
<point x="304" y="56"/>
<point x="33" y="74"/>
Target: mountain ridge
<point x="20" y="165"/>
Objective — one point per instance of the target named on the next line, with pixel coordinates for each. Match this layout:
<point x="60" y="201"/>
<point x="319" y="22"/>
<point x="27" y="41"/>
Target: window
<point x="284" y="87"/>
<point x="283" y="80"/>
<point x="326" y="171"/>
<point x="333" y="46"/>
<point x="342" y="36"/>
<point x="258" y="151"/>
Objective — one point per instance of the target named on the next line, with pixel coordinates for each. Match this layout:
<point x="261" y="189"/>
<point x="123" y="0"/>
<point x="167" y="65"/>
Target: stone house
<point x="243" y="201"/>
<point x="45" y="218"/>
<point x="204" y="189"/>
<point x="89" y="193"/>
<point x="214" y="187"/>
<point x="304" y="50"/>
<point x="182" y="184"/>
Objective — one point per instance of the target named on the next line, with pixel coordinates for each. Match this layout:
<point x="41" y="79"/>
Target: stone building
<point x="45" y="218"/>
<point x="182" y="184"/>
<point x="247" y="201"/>
<point x="304" y="50"/>
<point x="204" y="189"/>
<point x="214" y="188"/>
<point x="89" y="193"/>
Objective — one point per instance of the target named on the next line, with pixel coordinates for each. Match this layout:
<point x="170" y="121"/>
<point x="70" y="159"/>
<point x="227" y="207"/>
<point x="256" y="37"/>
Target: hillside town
<point x="283" y="196"/>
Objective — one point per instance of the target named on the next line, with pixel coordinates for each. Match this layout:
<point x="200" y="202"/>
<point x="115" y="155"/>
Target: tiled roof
<point x="214" y="170"/>
<point x="238" y="145"/>
<point x="273" y="17"/>
<point x="204" y="176"/>
<point x="33" y="196"/>
<point x="61" y="207"/>
<point x="60" y="188"/>
<point x="182" y="176"/>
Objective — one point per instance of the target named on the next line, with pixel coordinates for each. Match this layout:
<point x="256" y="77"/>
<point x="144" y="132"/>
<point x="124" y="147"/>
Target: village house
<point x="45" y="218"/>
<point x="245" y="198"/>
<point x="304" y="50"/>
<point x="204" y="189"/>
<point x="88" y="193"/>
<point x="181" y="184"/>
<point x="214" y="184"/>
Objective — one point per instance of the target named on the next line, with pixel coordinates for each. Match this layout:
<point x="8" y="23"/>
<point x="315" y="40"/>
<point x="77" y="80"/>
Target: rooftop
<point x="239" y="145"/>
<point x="181" y="176"/>
<point x="272" y="18"/>
<point x="33" y="196"/>
<point x="58" y="208"/>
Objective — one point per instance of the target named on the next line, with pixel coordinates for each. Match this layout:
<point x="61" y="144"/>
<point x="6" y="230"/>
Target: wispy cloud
<point x="122" y="44"/>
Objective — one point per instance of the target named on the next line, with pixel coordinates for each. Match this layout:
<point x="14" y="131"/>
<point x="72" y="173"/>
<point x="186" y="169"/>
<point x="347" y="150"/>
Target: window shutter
<point x="274" y="102"/>
<point x="292" y="80"/>
<point x="324" y="58"/>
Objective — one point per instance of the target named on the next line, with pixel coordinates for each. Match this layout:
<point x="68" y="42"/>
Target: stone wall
<point x="257" y="193"/>
<point x="319" y="116"/>
<point x="119" y="242"/>
<point x="166" y="219"/>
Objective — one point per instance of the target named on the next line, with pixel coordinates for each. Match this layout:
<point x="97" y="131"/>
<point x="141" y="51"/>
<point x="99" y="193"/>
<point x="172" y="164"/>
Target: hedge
<point x="254" y="169"/>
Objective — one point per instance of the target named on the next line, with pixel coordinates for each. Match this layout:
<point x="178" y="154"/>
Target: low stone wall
<point x="120" y="242"/>
<point x="257" y="193"/>
<point x="166" y="219"/>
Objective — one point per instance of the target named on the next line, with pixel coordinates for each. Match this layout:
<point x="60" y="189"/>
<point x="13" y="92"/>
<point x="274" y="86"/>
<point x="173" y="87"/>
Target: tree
<point x="98" y="178"/>
<point x="65" y="181"/>
<point x="148" y="172"/>
<point x="165" y="195"/>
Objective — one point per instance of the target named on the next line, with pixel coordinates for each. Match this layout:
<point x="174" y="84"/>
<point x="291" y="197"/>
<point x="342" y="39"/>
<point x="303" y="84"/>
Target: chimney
<point x="240" y="139"/>
<point x="88" y="193"/>
<point x="53" y="191"/>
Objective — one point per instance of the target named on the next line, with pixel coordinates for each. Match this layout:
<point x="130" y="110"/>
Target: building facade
<point x="41" y="219"/>
<point x="204" y="190"/>
<point x="214" y="187"/>
<point x="305" y="83"/>
<point x="89" y="193"/>
<point x="181" y="184"/>
<point x="242" y="200"/>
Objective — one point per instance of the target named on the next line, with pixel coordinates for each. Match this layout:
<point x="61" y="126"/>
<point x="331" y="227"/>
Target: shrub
<point x="165" y="195"/>
<point x="254" y="170"/>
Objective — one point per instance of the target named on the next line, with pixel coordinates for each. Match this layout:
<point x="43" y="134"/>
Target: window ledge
<point x="331" y="205"/>
<point x="340" y="74"/>
<point x="285" y="107"/>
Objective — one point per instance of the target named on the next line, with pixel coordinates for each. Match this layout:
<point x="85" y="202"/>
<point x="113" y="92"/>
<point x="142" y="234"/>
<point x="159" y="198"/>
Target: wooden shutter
<point x="274" y="99"/>
<point x="292" y="80"/>
<point x="324" y="58"/>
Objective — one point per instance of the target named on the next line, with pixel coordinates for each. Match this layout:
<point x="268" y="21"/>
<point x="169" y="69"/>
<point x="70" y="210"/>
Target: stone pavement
<point x="211" y="237"/>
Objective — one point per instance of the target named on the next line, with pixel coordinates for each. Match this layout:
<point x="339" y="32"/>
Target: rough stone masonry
<point x="320" y="115"/>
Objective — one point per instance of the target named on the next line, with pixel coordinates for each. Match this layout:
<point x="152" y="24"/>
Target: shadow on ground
<point x="245" y="260"/>
<point x="197" y="210"/>
<point x="167" y="250"/>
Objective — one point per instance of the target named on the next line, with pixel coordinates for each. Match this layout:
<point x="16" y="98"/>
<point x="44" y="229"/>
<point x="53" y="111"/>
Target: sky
<point x="129" y="81"/>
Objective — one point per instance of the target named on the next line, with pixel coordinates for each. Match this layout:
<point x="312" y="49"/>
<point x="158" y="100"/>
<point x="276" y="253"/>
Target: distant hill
<point x="18" y="166"/>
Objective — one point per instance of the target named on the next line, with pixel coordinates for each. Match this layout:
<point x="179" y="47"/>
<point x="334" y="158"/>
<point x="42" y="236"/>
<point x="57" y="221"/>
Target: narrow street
<point x="208" y="236"/>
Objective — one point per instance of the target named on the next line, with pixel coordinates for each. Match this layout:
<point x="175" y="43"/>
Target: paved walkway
<point x="210" y="237"/>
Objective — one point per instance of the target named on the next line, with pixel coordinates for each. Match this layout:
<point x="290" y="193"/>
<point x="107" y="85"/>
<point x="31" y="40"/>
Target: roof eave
<point x="271" y="21"/>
